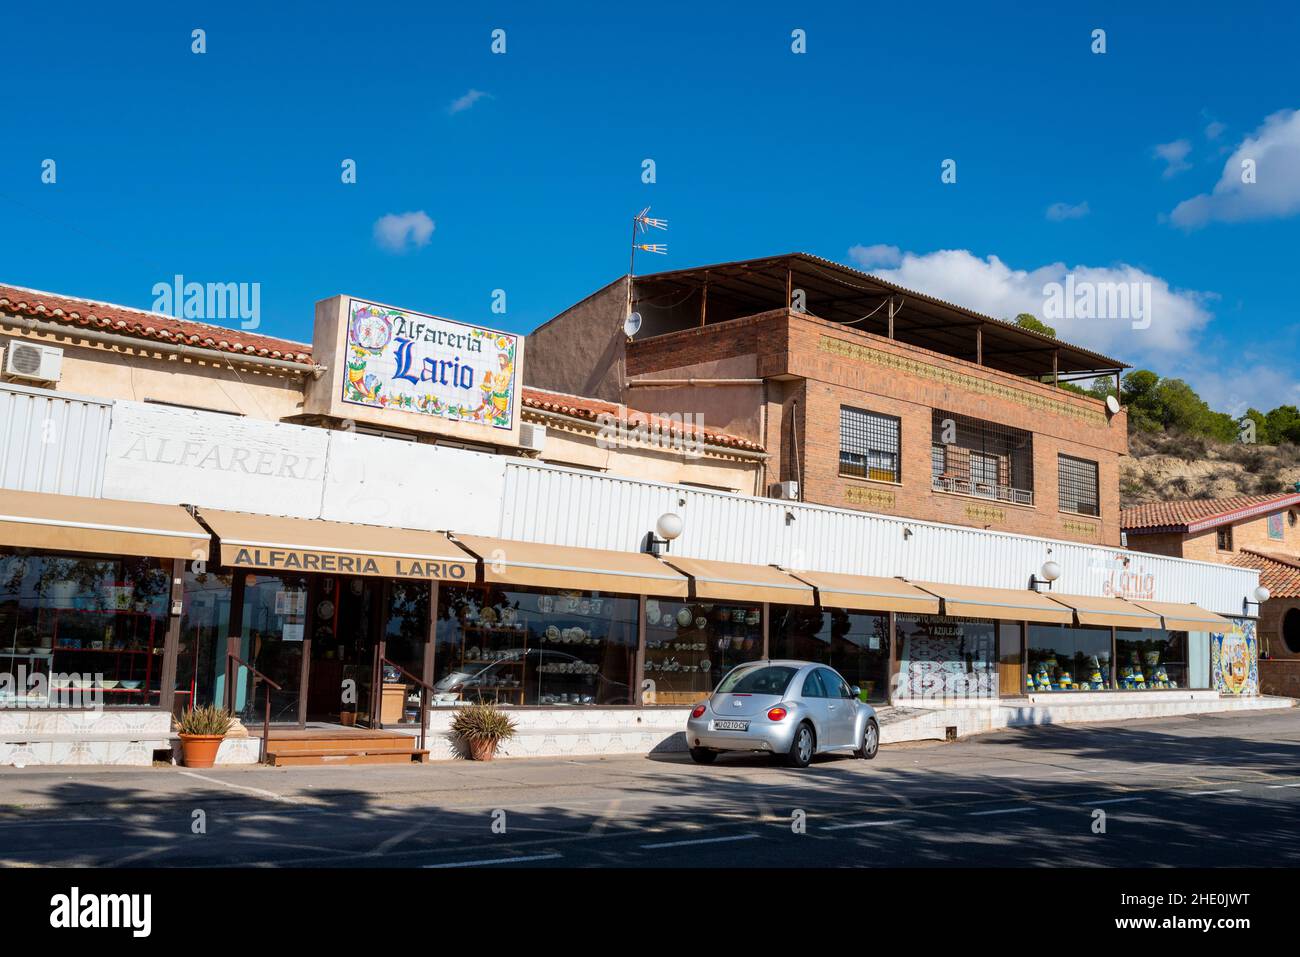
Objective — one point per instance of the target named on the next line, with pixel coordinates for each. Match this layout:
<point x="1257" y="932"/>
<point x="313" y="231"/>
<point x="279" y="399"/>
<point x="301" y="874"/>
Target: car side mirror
<point x="855" y="692"/>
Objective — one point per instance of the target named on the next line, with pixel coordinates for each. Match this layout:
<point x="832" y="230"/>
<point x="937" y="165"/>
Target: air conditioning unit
<point x="786" y="490"/>
<point x="29" y="360"/>
<point x="532" y="437"/>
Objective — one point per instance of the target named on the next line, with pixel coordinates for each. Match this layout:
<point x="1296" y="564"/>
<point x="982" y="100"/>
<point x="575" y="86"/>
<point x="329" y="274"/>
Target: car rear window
<point x="769" y="679"/>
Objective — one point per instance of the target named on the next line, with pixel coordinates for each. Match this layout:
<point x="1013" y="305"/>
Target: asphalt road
<point x="1203" y="791"/>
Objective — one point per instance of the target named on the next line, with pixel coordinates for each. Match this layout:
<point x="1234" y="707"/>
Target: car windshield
<point x="768" y="679"/>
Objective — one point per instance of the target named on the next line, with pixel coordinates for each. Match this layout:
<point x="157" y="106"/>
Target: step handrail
<point x="231" y="657"/>
<point x="426" y="689"/>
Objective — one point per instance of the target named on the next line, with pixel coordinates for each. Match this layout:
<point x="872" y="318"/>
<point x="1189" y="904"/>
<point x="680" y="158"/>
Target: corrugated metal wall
<point x="52" y="443"/>
<point x="567" y="507"/>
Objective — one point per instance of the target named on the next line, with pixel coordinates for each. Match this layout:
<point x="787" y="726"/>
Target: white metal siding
<point x="560" y="506"/>
<point x="52" y="443"/>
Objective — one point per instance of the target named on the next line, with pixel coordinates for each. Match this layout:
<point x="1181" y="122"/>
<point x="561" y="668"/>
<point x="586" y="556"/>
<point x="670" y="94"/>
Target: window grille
<point x="868" y="445"/>
<point x="974" y="457"/>
<point x="1078" y="485"/>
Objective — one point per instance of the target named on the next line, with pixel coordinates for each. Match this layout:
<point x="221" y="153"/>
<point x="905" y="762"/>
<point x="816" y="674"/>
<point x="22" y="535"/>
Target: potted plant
<point x="482" y="727"/>
<point x="201" y="731"/>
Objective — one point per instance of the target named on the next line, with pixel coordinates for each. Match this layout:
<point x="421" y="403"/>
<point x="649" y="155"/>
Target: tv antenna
<point x="641" y="222"/>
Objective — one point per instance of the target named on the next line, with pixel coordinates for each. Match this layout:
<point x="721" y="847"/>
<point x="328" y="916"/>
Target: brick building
<point x="865" y="395"/>
<point x="1250" y="531"/>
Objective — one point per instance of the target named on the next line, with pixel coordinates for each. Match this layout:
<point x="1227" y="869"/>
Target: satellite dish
<point x="1112" y="404"/>
<point x="632" y="324"/>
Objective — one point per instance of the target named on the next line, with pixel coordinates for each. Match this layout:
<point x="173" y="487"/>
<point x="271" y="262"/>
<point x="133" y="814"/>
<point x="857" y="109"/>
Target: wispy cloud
<point x="1175" y="156"/>
<point x="1059" y="212"/>
<point x="1214" y="129"/>
<point x="398" y="232"/>
<point x="872" y="257"/>
<point x="463" y="103"/>
<point x="1273" y="153"/>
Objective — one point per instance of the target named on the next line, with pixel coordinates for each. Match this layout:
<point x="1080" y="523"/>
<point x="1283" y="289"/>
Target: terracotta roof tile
<point x="589" y="409"/>
<point x="1199" y="514"/>
<point x="127" y="321"/>
<point x="1280" y="574"/>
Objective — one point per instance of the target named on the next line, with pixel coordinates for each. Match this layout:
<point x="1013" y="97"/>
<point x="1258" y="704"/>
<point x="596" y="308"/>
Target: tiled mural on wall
<point x="1234" y="659"/>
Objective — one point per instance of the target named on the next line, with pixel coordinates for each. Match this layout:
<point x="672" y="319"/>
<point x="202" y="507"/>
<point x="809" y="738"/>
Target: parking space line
<point x="1224" y="791"/>
<point x="1274" y="787"/>
<point x="1003" y="810"/>
<point x="702" y="840"/>
<point x="497" y="860"/>
<point x="1110" y="801"/>
<point x="890" y="823"/>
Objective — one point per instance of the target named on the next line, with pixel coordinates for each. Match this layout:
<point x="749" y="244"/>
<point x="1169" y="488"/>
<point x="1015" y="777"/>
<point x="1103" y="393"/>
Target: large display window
<point x="690" y="647"/>
<point x="1148" y="659"/>
<point x="531" y="647"/>
<point x="943" y="657"/>
<point x="854" y="643"/>
<point x="82" y="629"/>
<point x="1068" y="658"/>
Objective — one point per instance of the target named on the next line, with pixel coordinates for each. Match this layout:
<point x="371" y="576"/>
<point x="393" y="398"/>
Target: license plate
<point x="721" y="725"/>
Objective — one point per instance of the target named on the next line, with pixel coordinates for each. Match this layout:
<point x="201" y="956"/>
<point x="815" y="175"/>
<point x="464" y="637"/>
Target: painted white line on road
<point x="840" y="827"/>
<point x="498" y="860"/>
<point x="238" y="787"/>
<point x="1274" y="787"/>
<point x="1224" y="791"/>
<point x="1108" y="801"/>
<point x="702" y="840"/>
<point x="1003" y="810"/>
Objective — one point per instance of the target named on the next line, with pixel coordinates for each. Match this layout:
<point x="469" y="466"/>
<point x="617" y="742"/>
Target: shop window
<point x="271" y="640"/>
<point x="201" y="651"/>
<point x="82" y="631"/>
<point x="1077" y="485"/>
<point x="869" y="445"/>
<point x="1223" y="538"/>
<point x="530" y="647"/>
<point x="941" y="657"/>
<point x="1066" y="658"/>
<point x="856" y="644"/>
<point x="1149" y="659"/>
<point x="1291" y="630"/>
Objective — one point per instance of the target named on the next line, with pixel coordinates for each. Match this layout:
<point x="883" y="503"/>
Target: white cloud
<point x="1059" y="212"/>
<point x="1214" y="129"/>
<point x="462" y="103"/>
<point x="398" y="232"/>
<point x="870" y="257"/>
<point x="1175" y="156"/>
<point x="1274" y="149"/>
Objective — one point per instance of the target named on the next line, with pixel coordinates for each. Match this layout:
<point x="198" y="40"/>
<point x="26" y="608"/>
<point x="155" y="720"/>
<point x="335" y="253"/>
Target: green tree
<point x="1283" y="424"/>
<point x="1031" y="322"/>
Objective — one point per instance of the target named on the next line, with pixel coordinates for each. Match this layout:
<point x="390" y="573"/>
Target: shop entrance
<point x="346" y="623"/>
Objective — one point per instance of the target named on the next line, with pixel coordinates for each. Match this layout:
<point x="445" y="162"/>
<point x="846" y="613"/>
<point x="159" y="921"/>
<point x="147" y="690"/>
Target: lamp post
<point x="1049" y="573"/>
<point x="667" y="528"/>
<point x="1261" y="595"/>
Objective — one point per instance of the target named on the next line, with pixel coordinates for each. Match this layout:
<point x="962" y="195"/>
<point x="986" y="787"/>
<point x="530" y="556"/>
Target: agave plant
<point x="483" y="722"/>
<point x="208" y="720"/>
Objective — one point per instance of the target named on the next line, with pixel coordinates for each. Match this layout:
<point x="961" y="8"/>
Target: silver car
<point x="794" y="709"/>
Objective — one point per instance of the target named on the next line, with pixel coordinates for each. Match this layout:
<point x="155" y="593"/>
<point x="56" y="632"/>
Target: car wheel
<point x="870" y="740"/>
<point x="703" y="755"/>
<point x="802" y="748"/>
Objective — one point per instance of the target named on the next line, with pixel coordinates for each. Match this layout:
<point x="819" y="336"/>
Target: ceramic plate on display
<point x="705" y="665"/>
<point x="325" y="609"/>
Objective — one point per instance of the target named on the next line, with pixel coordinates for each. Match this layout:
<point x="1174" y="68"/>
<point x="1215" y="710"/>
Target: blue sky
<point x="225" y="166"/>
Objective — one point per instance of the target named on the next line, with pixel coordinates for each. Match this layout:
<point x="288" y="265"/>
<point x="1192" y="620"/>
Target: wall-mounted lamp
<point x="1261" y="595"/>
<point x="1049" y="573"/>
<point x="907" y="533"/>
<point x="789" y="517"/>
<point x="666" y="529"/>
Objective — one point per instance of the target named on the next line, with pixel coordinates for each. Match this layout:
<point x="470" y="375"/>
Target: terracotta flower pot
<point x="482" y="749"/>
<point x="200" y="750"/>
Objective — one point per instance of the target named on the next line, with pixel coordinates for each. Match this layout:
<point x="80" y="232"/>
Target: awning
<point x="587" y="569"/>
<point x="733" y="581"/>
<point x="1180" y="617"/>
<point x="867" y="593"/>
<point x="1003" y="604"/>
<point x="69" y="523"/>
<point x="1109" y="612"/>
<point x="309" y="545"/>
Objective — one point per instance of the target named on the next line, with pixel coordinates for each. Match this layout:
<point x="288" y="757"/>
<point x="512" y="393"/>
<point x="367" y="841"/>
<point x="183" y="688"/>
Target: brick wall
<point x="1204" y="546"/>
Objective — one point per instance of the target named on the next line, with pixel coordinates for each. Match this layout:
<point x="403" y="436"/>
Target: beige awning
<point x="1180" y="617"/>
<point x="587" y="569"/>
<point x="1003" y="604"/>
<point x="69" y="523"/>
<point x="1109" y="612"/>
<point x="309" y="545"/>
<point x="734" y="581"/>
<point x="867" y="593"/>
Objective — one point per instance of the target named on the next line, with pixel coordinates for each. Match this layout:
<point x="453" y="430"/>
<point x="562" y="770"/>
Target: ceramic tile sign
<point x="407" y="362"/>
<point x="1234" y="659"/>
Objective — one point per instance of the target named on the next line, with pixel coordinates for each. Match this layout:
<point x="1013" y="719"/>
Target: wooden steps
<point x="330" y="746"/>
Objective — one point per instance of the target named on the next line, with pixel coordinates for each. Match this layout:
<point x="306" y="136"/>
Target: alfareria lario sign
<point x="380" y="566"/>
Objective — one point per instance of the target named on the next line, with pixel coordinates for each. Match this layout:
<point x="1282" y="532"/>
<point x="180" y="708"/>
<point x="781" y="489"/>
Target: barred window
<point x="974" y="457"/>
<point x="868" y="445"/>
<point x="1078" y="485"/>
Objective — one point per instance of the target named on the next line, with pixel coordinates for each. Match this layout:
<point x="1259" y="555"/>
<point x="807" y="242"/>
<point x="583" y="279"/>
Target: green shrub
<point x="206" y="720"/>
<point x="482" y="722"/>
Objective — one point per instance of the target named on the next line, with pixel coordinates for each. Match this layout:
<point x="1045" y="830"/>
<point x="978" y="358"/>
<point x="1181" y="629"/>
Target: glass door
<point x="1011" y="669"/>
<point x="271" y="640"/>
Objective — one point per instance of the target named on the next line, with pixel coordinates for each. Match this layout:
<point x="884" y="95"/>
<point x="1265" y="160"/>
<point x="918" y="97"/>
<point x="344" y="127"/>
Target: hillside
<point x="1170" y="465"/>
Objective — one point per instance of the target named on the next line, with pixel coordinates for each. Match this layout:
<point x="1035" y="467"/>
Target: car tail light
<point x="697" y="711"/>
<point x="776" y="714"/>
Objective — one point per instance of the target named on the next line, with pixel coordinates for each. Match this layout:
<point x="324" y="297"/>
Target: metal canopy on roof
<point x="840" y="293"/>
